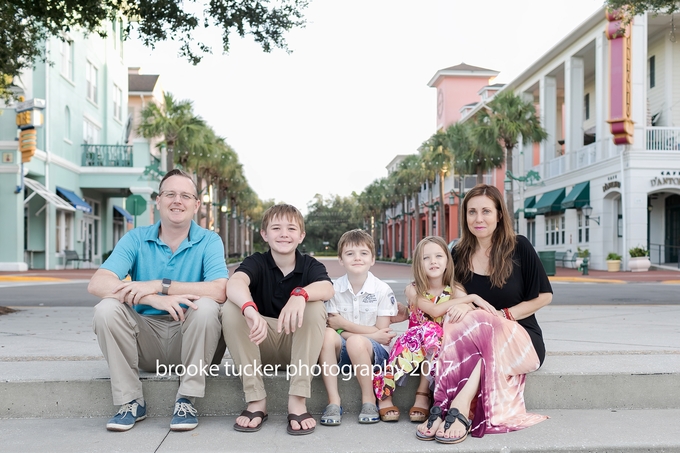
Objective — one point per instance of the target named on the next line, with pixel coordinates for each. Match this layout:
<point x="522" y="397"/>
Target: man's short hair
<point x="281" y="211"/>
<point x="356" y="237"/>
<point x="177" y="172"/>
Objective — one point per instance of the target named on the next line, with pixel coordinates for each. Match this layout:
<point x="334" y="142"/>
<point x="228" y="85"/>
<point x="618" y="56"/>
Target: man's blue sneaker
<point x="184" y="418"/>
<point x="127" y="416"/>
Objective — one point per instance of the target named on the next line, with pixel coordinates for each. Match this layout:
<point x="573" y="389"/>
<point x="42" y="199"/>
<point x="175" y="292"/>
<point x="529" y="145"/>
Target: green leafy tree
<point x="176" y="123"/>
<point x="411" y="176"/>
<point x="439" y="159"/>
<point x="511" y="118"/>
<point x="635" y="7"/>
<point x="327" y="219"/>
<point x="26" y="25"/>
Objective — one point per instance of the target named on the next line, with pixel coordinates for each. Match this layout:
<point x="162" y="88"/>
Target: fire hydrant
<point x="583" y="268"/>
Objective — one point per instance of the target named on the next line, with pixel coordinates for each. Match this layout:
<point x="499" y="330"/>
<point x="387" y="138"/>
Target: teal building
<point x="72" y="194"/>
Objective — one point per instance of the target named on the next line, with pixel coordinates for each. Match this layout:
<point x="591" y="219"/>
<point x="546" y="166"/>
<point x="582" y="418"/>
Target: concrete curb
<point x="584" y="280"/>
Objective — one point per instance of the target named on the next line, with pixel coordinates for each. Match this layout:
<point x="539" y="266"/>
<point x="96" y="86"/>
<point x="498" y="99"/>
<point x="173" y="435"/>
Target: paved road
<point x="74" y="293"/>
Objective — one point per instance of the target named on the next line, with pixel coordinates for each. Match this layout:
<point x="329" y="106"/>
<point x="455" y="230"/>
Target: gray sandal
<point x="369" y="413"/>
<point x="332" y="416"/>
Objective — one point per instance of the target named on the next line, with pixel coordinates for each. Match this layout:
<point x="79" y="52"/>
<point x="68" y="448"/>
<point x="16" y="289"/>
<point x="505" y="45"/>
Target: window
<point x="67" y="124"/>
<point x="583" y="228"/>
<point x="554" y="230"/>
<point x="586" y="105"/>
<point x="64" y="227"/>
<point x="91" y="77"/>
<point x="67" y="60"/>
<point x="652" y="71"/>
<point x="531" y="231"/>
<point x="90" y="133"/>
<point x="117" y="103"/>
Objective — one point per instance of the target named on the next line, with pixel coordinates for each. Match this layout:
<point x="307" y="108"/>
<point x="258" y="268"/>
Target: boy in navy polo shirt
<point x="168" y="314"/>
<point x="276" y="316"/>
<point x="358" y="333"/>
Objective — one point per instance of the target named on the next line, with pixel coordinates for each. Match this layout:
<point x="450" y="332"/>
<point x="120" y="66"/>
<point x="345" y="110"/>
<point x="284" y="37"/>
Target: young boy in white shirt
<point x="358" y="332"/>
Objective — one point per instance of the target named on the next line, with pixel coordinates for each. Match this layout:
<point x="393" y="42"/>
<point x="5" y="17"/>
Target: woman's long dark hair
<point x="502" y="242"/>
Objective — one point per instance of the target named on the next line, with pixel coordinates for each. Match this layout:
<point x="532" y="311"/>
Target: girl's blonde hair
<point x="419" y="275"/>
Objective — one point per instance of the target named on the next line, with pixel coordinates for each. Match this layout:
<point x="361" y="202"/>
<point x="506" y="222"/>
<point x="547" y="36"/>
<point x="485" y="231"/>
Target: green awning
<point x="528" y="203"/>
<point x="578" y="197"/>
<point x="550" y="202"/>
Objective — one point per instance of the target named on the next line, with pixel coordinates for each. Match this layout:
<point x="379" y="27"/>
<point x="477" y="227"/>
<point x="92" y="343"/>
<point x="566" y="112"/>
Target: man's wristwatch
<point x="166" y="285"/>
<point x="300" y="291"/>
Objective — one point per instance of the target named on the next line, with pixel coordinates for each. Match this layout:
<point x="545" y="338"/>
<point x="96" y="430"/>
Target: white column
<point x="667" y="115"/>
<point x="573" y="105"/>
<point x="548" y="106"/>
<point x="601" y="107"/>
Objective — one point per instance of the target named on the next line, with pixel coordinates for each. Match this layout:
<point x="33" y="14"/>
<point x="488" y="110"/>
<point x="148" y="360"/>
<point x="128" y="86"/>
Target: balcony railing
<point x="107" y="155"/>
<point x="663" y="138"/>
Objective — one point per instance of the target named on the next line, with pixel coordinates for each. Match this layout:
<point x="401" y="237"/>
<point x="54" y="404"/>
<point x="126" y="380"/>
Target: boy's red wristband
<point x="248" y="304"/>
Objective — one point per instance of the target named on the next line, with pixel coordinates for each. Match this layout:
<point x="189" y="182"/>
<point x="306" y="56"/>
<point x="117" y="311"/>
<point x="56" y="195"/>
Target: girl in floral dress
<point x="429" y="297"/>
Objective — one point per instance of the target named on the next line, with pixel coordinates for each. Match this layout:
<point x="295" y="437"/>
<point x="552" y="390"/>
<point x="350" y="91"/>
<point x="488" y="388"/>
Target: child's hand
<point x="484" y="305"/>
<point x="384" y="336"/>
<point x="334" y="321"/>
<point x="291" y="315"/>
<point x="402" y="314"/>
<point x="457" y="312"/>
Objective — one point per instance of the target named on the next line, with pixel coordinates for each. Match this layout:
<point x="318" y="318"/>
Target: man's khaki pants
<point x="130" y="342"/>
<point x="299" y="349"/>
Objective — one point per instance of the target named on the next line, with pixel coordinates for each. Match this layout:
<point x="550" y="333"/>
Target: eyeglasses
<point x="186" y="196"/>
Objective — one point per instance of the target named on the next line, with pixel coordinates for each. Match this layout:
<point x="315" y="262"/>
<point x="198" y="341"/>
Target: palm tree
<point x="439" y="157"/>
<point x="511" y="117"/>
<point x="174" y="120"/>
<point x="411" y="177"/>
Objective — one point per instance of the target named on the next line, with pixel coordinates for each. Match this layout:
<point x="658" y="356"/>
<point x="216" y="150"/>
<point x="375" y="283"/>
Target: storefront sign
<point x="665" y="181"/>
<point x="620" y="66"/>
<point x="611" y="185"/>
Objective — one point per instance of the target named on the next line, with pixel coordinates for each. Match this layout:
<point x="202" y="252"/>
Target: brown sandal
<point x="389" y="418"/>
<point x="419" y="414"/>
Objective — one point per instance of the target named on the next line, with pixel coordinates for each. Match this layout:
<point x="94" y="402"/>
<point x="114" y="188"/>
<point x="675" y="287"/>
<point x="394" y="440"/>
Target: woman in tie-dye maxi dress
<point x="479" y="387"/>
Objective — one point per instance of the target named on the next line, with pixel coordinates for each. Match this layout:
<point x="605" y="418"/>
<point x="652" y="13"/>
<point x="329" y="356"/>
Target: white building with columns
<point x="587" y="85"/>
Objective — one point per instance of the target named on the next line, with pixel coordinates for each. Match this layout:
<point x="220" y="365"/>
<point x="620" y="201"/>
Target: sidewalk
<point x="562" y="274"/>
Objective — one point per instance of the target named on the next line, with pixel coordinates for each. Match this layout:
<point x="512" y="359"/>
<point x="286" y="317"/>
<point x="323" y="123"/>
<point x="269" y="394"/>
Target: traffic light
<point x="28" y="140"/>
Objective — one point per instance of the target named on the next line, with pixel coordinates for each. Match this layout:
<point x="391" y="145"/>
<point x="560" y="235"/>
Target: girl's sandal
<point x="419" y="414"/>
<point x="435" y="414"/>
<point x="384" y="416"/>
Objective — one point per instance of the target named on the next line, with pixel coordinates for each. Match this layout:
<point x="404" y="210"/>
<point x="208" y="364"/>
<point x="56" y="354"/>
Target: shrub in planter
<point x="613" y="262"/>
<point x="639" y="261"/>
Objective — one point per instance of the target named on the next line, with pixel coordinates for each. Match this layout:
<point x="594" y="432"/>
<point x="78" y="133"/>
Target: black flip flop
<point x="251" y="415"/>
<point x="299" y="419"/>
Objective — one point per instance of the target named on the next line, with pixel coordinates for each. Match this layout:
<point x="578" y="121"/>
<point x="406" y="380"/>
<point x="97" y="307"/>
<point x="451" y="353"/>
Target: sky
<point x="328" y="117"/>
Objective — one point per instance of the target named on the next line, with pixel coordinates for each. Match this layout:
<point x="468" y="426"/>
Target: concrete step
<point x="54" y="388"/>
<point x="567" y="431"/>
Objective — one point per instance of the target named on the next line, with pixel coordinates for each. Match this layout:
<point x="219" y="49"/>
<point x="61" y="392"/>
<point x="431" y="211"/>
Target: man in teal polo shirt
<point x="169" y="313"/>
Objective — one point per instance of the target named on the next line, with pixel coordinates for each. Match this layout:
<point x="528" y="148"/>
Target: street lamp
<point x="587" y="210"/>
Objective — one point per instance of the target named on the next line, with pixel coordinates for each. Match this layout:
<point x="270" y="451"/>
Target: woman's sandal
<point x="384" y="416"/>
<point x="419" y="414"/>
<point x="450" y="419"/>
<point x="435" y="414"/>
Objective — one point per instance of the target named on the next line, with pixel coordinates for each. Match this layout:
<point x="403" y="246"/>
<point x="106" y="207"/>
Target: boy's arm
<point x="292" y="314"/>
<point x="336" y="321"/>
<point x="239" y="294"/>
<point x="381" y="331"/>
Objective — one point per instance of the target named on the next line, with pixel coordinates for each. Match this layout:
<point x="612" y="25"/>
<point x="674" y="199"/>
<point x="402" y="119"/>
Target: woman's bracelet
<point x="507" y="314"/>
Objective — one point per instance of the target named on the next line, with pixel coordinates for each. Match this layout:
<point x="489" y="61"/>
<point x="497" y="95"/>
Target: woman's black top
<point x="527" y="280"/>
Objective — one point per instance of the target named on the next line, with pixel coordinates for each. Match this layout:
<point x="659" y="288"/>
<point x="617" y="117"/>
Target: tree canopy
<point x="635" y="7"/>
<point x="26" y="24"/>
